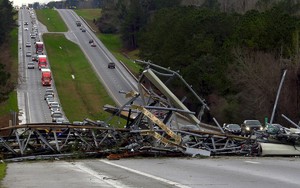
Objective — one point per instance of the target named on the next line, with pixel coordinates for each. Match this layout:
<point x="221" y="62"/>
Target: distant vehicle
<point x="60" y="120"/>
<point x="42" y="61"/>
<point x="28" y="44"/>
<point x="34" y="57"/>
<point x="48" y="95"/>
<point x="56" y="115"/>
<point x="49" y="99"/>
<point x="232" y="128"/>
<point x="248" y="126"/>
<point x="91" y="41"/>
<point x="54" y="104"/>
<point x="39" y="47"/>
<point x="25" y="29"/>
<point x="25" y="23"/>
<point x="30" y="65"/>
<point x="55" y="109"/>
<point x="33" y="36"/>
<point x="83" y="29"/>
<point x="78" y="23"/>
<point x="111" y="65"/>
<point x="46" y="77"/>
<point x="28" y="54"/>
<point x="93" y="45"/>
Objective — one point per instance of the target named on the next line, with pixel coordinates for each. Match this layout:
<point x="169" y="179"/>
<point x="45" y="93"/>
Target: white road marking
<point x="173" y="183"/>
<point x="252" y="162"/>
<point x="103" y="178"/>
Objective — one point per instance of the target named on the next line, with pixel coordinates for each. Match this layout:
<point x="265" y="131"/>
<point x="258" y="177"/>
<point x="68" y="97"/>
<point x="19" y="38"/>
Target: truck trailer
<point x="42" y="61"/>
<point x="39" y="47"/>
<point x="46" y="77"/>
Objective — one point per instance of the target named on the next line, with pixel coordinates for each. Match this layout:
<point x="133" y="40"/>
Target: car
<point x="49" y="89"/>
<point x="25" y="29"/>
<point x="47" y="95"/>
<point x="111" y="65"/>
<point x="33" y="36"/>
<point x="53" y="104"/>
<point x="28" y="44"/>
<point x="60" y="120"/>
<point x="93" y="45"/>
<point x="248" y="126"/>
<point x="274" y="128"/>
<point x="30" y="65"/>
<point x="56" y="115"/>
<point x="28" y="54"/>
<point x="83" y="29"/>
<point x="91" y="41"/>
<point x="25" y="23"/>
<point x="55" y="109"/>
<point x="232" y="128"/>
<point x="49" y="99"/>
<point x="34" y="57"/>
<point x="78" y="23"/>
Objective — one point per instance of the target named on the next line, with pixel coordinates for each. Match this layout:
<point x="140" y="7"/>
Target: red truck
<point x="42" y="61"/>
<point x="46" y="77"/>
<point x="39" y="47"/>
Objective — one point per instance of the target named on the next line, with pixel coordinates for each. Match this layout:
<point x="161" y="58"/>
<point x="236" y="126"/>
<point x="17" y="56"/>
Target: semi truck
<point x="46" y="77"/>
<point x="39" y="47"/>
<point x="42" y="61"/>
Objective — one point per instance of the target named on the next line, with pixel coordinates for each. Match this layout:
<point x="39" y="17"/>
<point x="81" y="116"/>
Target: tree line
<point x="7" y="23"/>
<point x="233" y="60"/>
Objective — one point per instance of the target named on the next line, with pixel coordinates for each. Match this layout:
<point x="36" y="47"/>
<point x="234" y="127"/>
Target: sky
<point x="20" y="2"/>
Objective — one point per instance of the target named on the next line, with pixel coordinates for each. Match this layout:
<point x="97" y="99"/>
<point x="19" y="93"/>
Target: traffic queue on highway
<point x="37" y="56"/>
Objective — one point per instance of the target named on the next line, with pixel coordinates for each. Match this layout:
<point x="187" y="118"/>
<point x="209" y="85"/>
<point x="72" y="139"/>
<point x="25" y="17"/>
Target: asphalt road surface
<point x="222" y="172"/>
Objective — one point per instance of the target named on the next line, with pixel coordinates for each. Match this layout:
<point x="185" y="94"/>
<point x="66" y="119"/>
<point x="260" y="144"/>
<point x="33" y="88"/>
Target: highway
<point x="212" y="172"/>
<point x="30" y="90"/>
<point x="229" y="172"/>
<point x="114" y="80"/>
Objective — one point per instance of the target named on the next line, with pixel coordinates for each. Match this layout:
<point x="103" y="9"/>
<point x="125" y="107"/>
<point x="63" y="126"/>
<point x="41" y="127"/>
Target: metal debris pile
<point x="157" y="124"/>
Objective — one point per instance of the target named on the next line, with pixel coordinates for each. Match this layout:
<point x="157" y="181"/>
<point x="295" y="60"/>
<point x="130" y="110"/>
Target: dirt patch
<point x="4" y="122"/>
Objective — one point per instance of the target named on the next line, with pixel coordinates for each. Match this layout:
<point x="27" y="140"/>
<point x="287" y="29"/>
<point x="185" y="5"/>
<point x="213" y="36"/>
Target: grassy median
<point x="83" y="96"/>
<point x="52" y="20"/>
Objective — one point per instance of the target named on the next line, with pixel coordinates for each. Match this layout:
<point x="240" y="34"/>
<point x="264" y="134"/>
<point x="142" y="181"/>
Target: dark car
<point x="91" y="41"/>
<point x="111" y="65"/>
<point x="34" y="57"/>
<point x="78" y="23"/>
<point x="232" y="128"/>
<point x="83" y="29"/>
<point x="249" y="126"/>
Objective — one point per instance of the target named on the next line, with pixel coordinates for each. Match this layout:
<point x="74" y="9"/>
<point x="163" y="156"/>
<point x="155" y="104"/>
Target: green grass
<point x="12" y="103"/>
<point x="52" y="20"/>
<point x="83" y="96"/>
<point x="9" y="105"/>
<point x="2" y="170"/>
<point x="89" y="15"/>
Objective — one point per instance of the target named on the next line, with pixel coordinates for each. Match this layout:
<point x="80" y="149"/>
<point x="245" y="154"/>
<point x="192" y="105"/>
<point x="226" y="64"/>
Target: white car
<point x="28" y="44"/>
<point x="26" y="29"/>
<point x="30" y="65"/>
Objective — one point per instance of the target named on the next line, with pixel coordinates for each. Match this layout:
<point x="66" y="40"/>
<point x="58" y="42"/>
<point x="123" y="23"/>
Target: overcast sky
<point x="20" y="2"/>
